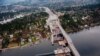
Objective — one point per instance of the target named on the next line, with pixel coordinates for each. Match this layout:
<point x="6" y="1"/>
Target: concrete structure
<point x="59" y="36"/>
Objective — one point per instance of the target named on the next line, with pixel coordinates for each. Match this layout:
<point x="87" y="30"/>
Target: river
<point x="43" y="47"/>
<point x="87" y="41"/>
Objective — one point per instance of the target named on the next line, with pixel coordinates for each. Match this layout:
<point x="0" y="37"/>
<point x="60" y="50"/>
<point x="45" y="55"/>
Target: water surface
<point x="87" y="41"/>
<point x="44" y="46"/>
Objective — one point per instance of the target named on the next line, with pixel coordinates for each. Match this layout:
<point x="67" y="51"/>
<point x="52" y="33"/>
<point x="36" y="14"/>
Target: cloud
<point x="11" y="1"/>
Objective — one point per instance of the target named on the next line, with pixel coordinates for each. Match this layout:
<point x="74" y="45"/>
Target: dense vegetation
<point x="25" y="28"/>
<point x="79" y="18"/>
<point x="33" y="26"/>
<point x="22" y="23"/>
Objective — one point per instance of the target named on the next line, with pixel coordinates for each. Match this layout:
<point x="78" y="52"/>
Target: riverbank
<point x="72" y="25"/>
<point x="23" y="30"/>
<point x="15" y="47"/>
<point x="44" y="46"/>
<point x="69" y="30"/>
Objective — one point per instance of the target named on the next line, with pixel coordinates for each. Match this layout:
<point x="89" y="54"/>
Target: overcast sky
<point x="78" y="1"/>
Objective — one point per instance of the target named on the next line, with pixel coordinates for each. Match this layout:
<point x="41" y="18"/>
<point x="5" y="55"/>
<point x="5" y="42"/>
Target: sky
<point x="77" y="1"/>
<point x="9" y="1"/>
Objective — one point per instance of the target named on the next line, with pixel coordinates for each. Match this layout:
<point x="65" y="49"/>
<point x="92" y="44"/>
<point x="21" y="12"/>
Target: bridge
<point x="59" y="36"/>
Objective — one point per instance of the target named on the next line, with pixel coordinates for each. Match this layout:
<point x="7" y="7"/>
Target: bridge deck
<point x="60" y="37"/>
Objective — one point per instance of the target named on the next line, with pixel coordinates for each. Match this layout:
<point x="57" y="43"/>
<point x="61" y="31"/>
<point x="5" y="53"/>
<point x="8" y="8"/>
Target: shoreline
<point x="80" y="29"/>
<point x="28" y="44"/>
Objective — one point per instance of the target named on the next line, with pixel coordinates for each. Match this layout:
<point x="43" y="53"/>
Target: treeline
<point x="6" y="15"/>
<point x="81" y="19"/>
<point x="90" y="6"/>
<point x="70" y="24"/>
<point x="25" y="22"/>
